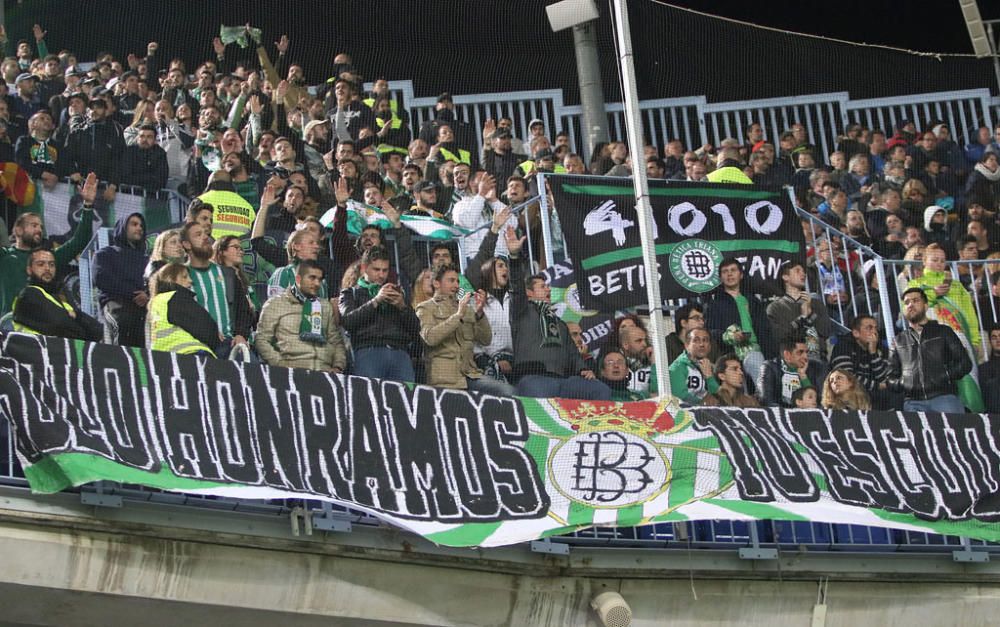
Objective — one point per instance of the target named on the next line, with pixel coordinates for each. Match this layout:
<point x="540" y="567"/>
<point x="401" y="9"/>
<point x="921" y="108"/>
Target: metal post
<point x="993" y="50"/>
<point x="644" y="210"/>
<point x="543" y="206"/>
<point x="593" y="119"/>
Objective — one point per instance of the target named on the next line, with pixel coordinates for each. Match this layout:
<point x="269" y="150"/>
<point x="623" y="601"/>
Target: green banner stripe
<point x="78" y="350"/>
<point x="140" y="363"/>
<point x="540" y="416"/>
<point x="670" y="517"/>
<point x="734" y="245"/>
<point x="580" y="514"/>
<point x="470" y="534"/>
<point x="629" y="516"/>
<point x="980" y="530"/>
<point x="684" y="465"/>
<point x="64" y="470"/>
<point x="628" y="190"/>
<point x="761" y="511"/>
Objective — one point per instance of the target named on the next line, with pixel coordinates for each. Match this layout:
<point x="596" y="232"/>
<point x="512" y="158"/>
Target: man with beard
<point x="118" y="274"/>
<point x="244" y="183"/>
<point x="860" y="354"/>
<point x="634" y="342"/>
<point x="927" y="360"/>
<point x="36" y="152"/>
<point x="797" y="312"/>
<point x="29" y="235"/>
<point x="144" y="163"/>
<point x="476" y="208"/>
<point x="43" y="307"/>
<point x="317" y="143"/>
<point x="95" y="147"/>
<point x="502" y="162"/>
<point x="215" y="287"/>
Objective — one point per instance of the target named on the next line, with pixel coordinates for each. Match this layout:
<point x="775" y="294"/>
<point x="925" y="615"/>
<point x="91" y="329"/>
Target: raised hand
<point x="391" y="213"/>
<point x="282" y="44"/>
<point x="480" y="302"/>
<point x="89" y="189"/>
<point x="342" y="192"/>
<point x="268" y="197"/>
<point x="3" y="34"/>
<point x="38" y="32"/>
<point x="500" y="218"/>
<point x="486" y="183"/>
<point x="489" y="128"/>
<point x="281" y="90"/>
<point x="514" y="243"/>
<point x="151" y="48"/>
<point x="462" y="304"/>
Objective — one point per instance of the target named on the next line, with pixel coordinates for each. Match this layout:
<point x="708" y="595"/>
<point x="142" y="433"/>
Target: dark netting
<point x="412" y="191"/>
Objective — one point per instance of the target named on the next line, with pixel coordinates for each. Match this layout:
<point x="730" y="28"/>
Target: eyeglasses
<point x="614" y="362"/>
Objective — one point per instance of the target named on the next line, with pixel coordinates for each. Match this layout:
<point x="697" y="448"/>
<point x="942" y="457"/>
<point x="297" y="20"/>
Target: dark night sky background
<point x="470" y="46"/>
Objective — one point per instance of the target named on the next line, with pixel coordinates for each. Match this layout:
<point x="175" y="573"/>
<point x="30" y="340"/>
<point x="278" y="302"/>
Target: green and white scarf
<point x="311" y="324"/>
<point x="548" y="323"/>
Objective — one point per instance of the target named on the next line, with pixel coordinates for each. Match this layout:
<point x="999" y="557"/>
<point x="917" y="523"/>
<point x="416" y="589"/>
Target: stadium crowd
<point x="259" y="153"/>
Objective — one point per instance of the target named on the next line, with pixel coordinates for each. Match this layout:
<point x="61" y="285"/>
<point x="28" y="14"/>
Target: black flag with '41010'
<point x="696" y="227"/>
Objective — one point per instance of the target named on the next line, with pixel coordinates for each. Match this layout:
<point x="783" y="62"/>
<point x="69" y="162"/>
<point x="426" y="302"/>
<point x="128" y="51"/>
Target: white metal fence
<point x="695" y="121"/>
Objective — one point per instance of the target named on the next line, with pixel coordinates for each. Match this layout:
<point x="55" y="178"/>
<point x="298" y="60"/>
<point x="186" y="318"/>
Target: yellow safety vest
<point x="393" y="109"/>
<point x="463" y="156"/>
<point x="169" y="337"/>
<point x="20" y="328"/>
<point x="528" y="167"/>
<point x="729" y="174"/>
<point x="396" y="123"/>
<point x="231" y="214"/>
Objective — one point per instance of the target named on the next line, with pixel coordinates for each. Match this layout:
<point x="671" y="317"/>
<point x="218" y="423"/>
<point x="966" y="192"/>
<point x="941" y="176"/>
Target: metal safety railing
<point x="695" y="121"/>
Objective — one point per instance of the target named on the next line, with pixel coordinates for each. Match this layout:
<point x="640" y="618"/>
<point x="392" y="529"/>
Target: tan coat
<point x="278" y="336"/>
<point x="450" y="336"/>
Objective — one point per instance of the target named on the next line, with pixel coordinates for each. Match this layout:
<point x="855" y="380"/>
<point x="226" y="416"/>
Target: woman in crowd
<point x="229" y="254"/>
<point x="166" y="249"/>
<point x="842" y="391"/>
<point x="144" y="114"/>
<point x="177" y="323"/>
<point x="496" y="358"/>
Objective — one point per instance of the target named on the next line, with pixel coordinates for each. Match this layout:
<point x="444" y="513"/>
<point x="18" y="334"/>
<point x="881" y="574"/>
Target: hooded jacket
<point x="118" y="267"/>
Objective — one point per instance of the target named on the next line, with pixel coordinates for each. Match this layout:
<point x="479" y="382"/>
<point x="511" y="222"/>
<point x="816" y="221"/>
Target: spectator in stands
<point x="545" y="357"/>
<point x="175" y="140"/>
<point x="297" y="327"/>
<point x="476" y="209"/>
<point x="728" y="373"/>
<point x="426" y="199"/>
<point x="177" y="323"/>
<point x="450" y="327"/>
<point x="989" y="373"/>
<point x="214" y="287"/>
<point x="841" y="390"/>
<point x="799" y="313"/>
<point x="229" y="253"/>
<point x="781" y="376"/>
<point x="231" y="213"/>
<point x="95" y="147"/>
<point x="44" y="308"/>
<point x="302" y="245"/>
<point x="989" y="301"/>
<point x="36" y="152"/>
<point x="927" y="360"/>
<point x="501" y="160"/>
<point x="614" y="373"/>
<point x="166" y="249"/>
<point x="805" y="398"/>
<point x="861" y="355"/>
<point x="27" y="102"/>
<point x="951" y="302"/>
<point x="857" y="181"/>
<point x="690" y="315"/>
<point x="738" y="321"/>
<point x="444" y="115"/>
<point x="29" y="234"/>
<point x="832" y="280"/>
<point x="692" y="374"/>
<point x="974" y="150"/>
<point x="634" y="342"/>
<point x="379" y="321"/>
<point x="118" y="275"/>
<point x="490" y="272"/>
<point x="144" y="164"/>
<point x="984" y="181"/>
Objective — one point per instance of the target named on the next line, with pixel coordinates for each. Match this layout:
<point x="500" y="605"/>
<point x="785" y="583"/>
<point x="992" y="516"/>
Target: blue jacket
<point x="118" y="268"/>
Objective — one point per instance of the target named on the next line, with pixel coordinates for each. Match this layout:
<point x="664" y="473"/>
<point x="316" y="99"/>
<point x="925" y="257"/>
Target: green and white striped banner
<point x="360" y="215"/>
<point x="466" y="469"/>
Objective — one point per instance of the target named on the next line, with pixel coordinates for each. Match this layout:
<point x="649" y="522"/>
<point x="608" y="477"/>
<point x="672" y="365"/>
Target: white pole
<point x="633" y="122"/>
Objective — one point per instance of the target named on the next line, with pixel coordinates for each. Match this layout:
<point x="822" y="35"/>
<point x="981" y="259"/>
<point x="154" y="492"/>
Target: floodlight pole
<point x="643" y="208"/>
<point x="593" y="117"/>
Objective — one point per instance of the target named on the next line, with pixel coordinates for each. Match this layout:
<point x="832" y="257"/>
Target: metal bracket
<point x="100" y="498"/>
<point x="549" y="547"/>
<point x="966" y="554"/>
<point x="755" y="551"/>
<point x="326" y="521"/>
